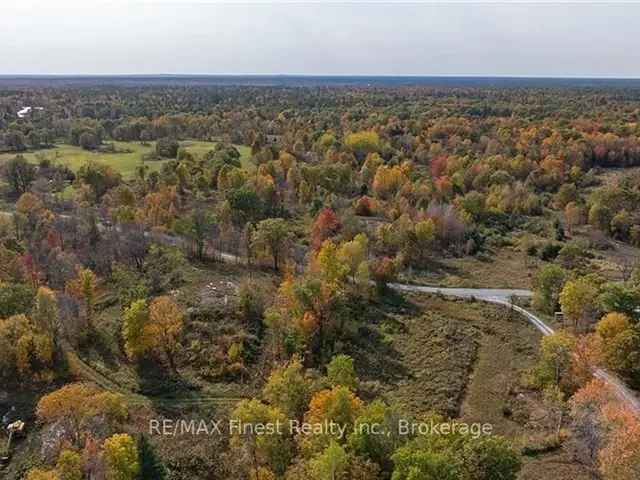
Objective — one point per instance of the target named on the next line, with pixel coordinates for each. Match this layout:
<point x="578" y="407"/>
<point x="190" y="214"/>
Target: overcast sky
<point x="164" y="36"/>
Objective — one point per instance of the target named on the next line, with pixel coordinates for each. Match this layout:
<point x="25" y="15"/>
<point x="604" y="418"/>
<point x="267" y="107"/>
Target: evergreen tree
<point x="151" y="467"/>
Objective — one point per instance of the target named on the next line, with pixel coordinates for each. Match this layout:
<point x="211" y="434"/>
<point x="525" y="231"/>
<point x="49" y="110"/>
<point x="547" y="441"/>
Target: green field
<point x="128" y="155"/>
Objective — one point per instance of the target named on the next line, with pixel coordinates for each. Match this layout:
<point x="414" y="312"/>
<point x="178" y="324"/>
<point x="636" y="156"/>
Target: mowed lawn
<point x="128" y="155"/>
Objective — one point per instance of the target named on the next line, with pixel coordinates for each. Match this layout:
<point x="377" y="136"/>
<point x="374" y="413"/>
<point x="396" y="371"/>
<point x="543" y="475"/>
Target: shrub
<point x="364" y="206"/>
<point x="167" y="148"/>
<point x="550" y="251"/>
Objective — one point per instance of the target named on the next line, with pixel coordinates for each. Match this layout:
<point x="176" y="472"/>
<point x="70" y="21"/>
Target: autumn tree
<point x="588" y="424"/>
<point x="272" y="236"/>
<point x="620" y="457"/>
<point x="196" y="228"/>
<point x="600" y="217"/>
<point x="134" y="320"/>
<point x="159" y="209"/>
<point x="365" y="206"/>
<point x="288" y="389"/>
<point x="331" y="464"/>
<point x="425" y="233"/>
<point x="69" y="465"/>
<point x="621" y="297"/>
<point x="554" y="364"/>
<point x="92" y="457"/>
<point x="265" y="187"/>
<point x="25" y="350"/>
<point x="383" y="272"/>
<point x="554" y="401"/>
<point x="620" y="345"/>
<point x="578" y="300"/>
<point x="548" y="284"/>
<point x="84" y="288"/>
<point x="31" y="218"/>
<point x="574" y="216"/>
<point x="377" y="446"/>
<point x="261" y="449"/>
<point x="325" y="226"/>
<point x="587" y="354"/>
<point x="45" y="312"/>
<point x="121" y="457"/>
<point x="612" y="325"/>
<point x="41" y="474"/>
<point x="363" y="142"/>
<point x="608" y="431"/>
<point x="11" y="268"/>
<point x="333" y="270"/>
<point x="371" y="164"/>
<point x="340" y="372"/>
<point x="354" y="252"/>
<point x="162" y="331"/>
<point x="76" y="404"/>
<point x="338" y="405"/>
<point x="388" y="180"/>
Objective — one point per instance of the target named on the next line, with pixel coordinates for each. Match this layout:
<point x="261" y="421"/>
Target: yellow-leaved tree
<point x="121" y="457"/>
<point x="76" y="404"/>
<point x="84" y="287"/>
<point x="24" y="349"/>
<point x="134" y="319"/>
<point x="45" y="312"/>
<point x="338" y="405"/>
<point x="162" y="331"/>
<point x="40" y="474"/>
<point x="578" y="300"/>
<point x="261" y="449"/>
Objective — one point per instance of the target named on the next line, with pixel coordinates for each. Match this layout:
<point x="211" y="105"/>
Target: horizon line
<point x="331" y="75"/>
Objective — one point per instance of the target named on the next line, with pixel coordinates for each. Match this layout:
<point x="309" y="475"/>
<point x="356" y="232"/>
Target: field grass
<point x="509" y="267"/>
<point x="431" y="353"/>
<point x="467" y="360"/>
<point x="127" y="156"/>
<point x="503" y="268"/>
<point x="451" y="350"/>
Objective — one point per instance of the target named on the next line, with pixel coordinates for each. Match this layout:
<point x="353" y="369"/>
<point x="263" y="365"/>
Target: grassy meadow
<point x="126" y="157"/>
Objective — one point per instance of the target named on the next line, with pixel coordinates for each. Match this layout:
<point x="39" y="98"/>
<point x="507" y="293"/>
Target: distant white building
<point x="27" y="110"/>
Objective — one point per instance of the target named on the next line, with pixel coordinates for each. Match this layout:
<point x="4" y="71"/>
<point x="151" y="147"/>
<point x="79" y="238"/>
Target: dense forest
<point x="233" y="253"/>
